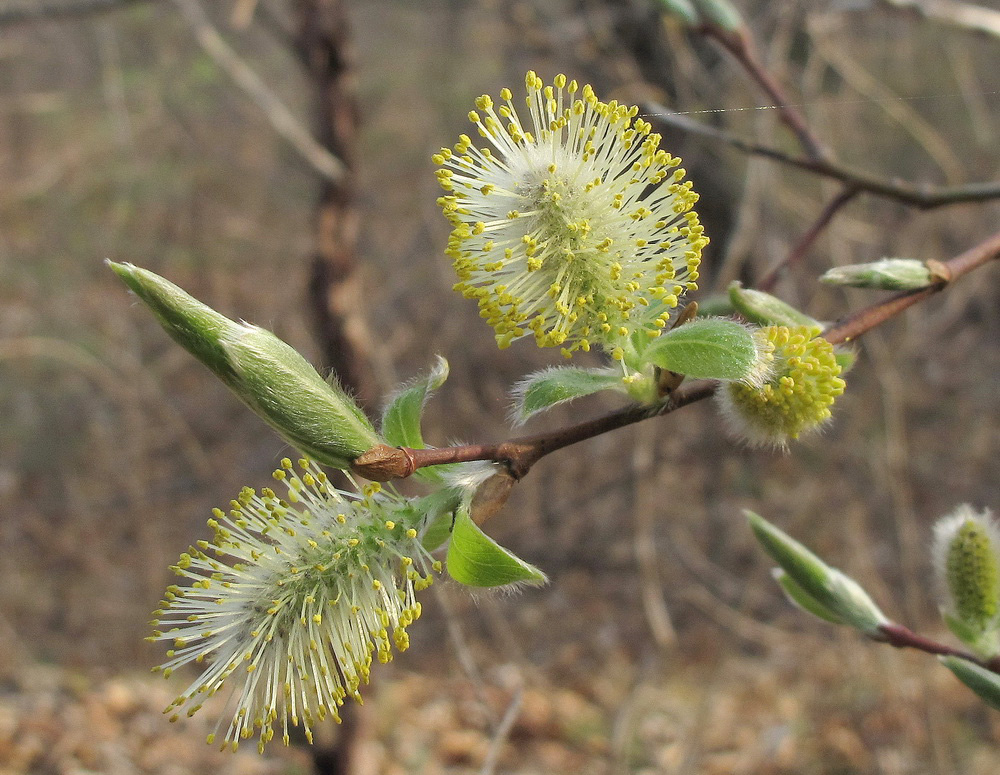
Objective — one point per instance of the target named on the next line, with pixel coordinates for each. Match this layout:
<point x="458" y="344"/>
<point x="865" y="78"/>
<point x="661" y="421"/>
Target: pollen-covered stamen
<point x="301" y="593"/>
<point x="796" y="397"/>
<point x="576" y="227"/>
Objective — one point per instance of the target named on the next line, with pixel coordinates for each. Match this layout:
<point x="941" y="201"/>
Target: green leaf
<point x="544" y="389"/>
<point x="403" y="414"/>
<point x="476" y="560"/>
<point x="713" y="348"/>
<point x="437" y="511"/>
<point x="767" y="310"/>
<point x="721" y="13"/>
<point x="985" y="683"/>
<point x="401" y="419"/>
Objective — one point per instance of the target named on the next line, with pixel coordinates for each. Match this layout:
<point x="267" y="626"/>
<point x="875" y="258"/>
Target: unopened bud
<point x="767" y="310"/>
<point x="887" y="274"/>
<point x="314" y="416"/>
<point x="681" y="9"/>
<point x="818" y="588"/>
<point x="720" y="13"/>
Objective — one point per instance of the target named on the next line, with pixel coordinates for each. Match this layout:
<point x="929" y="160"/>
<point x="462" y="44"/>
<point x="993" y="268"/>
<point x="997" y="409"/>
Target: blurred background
<point x="661" y="644"/>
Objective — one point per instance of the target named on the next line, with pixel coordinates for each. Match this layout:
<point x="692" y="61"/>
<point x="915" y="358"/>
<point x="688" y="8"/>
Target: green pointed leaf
<point x="721" y="13"/>
<point x="544" y="389"/>
<point x="476" y="560"/>
<point x="404" y="412"/>
<point x="712" y="348"/>
<point x="767" y="310"/>
<point x="438" y="512"/>
<point x="401" y="419"/>
<point x="985" y="683"/>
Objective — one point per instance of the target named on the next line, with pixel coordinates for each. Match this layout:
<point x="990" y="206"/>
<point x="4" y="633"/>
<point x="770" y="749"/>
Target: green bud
<point x="798" y="597"/>
<point x="315" y="416"/>
<point x="196" y="327"/>
<point x="887" y="274"/>
<point x="681" y="9"/>
<point x="967" y="563"/>
<point x="721" y="13"/>
<point x="716" y="306"/>
<point x="818" y="587"/>
<point x="985" y="683"/>
<point x="767" y="310"/>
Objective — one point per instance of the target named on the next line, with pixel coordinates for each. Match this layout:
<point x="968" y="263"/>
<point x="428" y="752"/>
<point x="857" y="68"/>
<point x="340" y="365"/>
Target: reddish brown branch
<point x="521" y="453"/>
<point x="904" y="638"/>
<point x="798" y="252"/>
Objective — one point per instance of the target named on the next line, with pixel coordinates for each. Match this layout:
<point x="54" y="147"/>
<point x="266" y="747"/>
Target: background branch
<point x="743" y="50"/>
<point x="923" y="197"/>
<point x="277" y="114"/>
<point x="13" y="13"/>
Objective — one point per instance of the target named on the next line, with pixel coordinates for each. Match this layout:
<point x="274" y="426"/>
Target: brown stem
<point x="797" y="253"/>
<point x="923" y="197"/>
<point x="521" y="453"/>
<point x="742" y="49"/>
<point x="904" y="638"/>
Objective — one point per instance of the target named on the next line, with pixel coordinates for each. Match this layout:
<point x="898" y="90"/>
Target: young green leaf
<point x="476" y="560"/>
<point x="401" y="419"/>
<point x="712" y="348"/>
<point x="437" y="511"/>
<point x="983" y="682"/>
<point x="544" y="389"/>
<point x="681" y="9"/>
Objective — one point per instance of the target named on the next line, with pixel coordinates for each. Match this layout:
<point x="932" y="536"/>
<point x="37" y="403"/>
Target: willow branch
<point x="923" y="197"/>
<point x="521" y="453"/>
<point x="904" y="638"/>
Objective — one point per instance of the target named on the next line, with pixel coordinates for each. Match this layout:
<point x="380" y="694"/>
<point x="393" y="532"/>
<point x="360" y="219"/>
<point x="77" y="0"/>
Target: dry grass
<point x="119" y="139"/>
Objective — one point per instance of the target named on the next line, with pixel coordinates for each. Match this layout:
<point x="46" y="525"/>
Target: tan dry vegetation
<point x="120" y="139"/>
